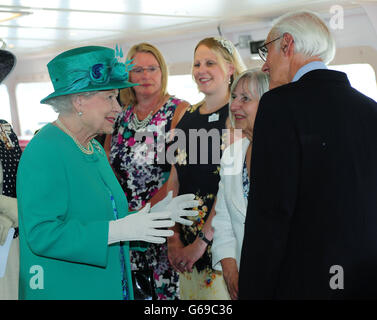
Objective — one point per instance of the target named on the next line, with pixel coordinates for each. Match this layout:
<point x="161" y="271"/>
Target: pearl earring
<point x="79" y="113"/>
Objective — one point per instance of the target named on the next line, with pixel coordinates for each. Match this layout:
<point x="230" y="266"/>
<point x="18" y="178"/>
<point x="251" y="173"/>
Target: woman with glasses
<point x="137" y="145"/>
<point x="234" y="186"/>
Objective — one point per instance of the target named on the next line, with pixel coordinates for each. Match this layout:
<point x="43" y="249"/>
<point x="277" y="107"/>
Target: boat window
<point x="361" y="76"/>
<point x="32" y="114"/>
<point x="4" y="104"/>
<point x="184" y="87"/>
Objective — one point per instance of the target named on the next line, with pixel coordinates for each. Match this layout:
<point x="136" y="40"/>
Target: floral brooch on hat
<point x="101" y="74"/>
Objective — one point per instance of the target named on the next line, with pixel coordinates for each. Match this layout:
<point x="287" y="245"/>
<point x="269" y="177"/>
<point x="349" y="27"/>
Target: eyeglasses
<point x="263" y="51"/>
<point x="139" y="70"/>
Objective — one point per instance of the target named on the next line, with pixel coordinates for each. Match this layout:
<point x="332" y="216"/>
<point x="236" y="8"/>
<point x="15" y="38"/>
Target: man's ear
<point x="287" y="44"/>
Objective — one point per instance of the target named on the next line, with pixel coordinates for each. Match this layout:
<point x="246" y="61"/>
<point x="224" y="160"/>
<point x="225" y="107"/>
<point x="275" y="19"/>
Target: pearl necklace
<point x="87" y="150"/>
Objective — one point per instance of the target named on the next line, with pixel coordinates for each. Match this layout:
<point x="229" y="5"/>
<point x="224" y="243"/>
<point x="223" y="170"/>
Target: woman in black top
<point x="196" y="169"/>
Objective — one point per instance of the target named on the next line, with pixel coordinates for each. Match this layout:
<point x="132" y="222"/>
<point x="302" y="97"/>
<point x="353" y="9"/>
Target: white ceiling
<point x="54" y="25"/>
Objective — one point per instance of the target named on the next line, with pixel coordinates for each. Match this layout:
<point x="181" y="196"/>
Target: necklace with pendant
<point x="137" y="124"/>
<point x="87" y="150"/>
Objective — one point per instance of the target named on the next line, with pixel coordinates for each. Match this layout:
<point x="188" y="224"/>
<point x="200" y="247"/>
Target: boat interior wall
<point x="359" y="30"/>
<point x="175" y="27"/>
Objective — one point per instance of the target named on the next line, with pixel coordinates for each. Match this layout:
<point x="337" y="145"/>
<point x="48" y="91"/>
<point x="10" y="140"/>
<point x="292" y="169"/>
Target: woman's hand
<point x="183" y="258"/>
<point x="141" y="226"/>
<point x="177" y="206"/>
<point x="174" y="254"/>
<point x="230" y="274"/>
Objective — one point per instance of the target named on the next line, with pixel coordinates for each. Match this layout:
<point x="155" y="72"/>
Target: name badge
<point x="213" y="117"/>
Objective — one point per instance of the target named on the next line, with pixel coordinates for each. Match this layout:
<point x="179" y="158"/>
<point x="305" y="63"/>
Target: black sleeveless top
<point x="198" y="167"/>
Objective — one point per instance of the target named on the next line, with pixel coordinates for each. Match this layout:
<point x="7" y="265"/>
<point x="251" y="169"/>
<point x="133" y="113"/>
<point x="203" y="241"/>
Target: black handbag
<point x="143" y="283"/>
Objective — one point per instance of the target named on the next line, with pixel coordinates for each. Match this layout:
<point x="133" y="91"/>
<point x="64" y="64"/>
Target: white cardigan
<point x="229" y="221"/>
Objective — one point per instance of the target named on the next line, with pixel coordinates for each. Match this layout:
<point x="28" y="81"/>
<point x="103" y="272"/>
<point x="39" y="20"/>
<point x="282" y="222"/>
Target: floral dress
<point x="138" y="159"/>
<point x="245" y="181"/>
<point x="198" y="173"/>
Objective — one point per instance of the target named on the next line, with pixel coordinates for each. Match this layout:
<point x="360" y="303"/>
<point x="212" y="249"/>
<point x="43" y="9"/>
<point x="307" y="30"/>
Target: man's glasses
<point x="263" y="51"/>
<point x="139" y="70"/>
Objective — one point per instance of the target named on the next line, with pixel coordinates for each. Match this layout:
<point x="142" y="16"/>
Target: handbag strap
<point x="126" y="295"/>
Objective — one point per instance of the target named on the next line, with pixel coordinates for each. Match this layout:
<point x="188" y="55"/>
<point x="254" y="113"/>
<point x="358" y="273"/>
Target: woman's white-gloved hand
<point x="176" y="207"/>
<point x="141" y="226"/>
<point x="8" y="207"/>
<point x="5" y="225"/>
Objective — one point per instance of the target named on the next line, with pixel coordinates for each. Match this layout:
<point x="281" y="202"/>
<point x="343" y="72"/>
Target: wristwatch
<point x="202" y="236"/>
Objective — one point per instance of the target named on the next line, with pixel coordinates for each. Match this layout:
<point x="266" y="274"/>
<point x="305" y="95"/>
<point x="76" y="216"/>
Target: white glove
<point x="176" y="207"/>
<point x="8" y="207"/>
<point x="141" y="226"/>
<point x="5" y="225"/>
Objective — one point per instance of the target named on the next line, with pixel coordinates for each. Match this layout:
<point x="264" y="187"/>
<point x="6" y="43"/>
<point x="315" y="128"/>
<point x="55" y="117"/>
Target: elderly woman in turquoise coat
<point x="75" y="229"/>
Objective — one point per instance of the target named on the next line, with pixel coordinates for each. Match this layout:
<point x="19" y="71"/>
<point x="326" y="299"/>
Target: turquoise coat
<point x="64" y="213"/>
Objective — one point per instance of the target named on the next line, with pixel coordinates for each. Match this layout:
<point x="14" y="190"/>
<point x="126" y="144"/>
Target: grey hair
<point x="63" y="104"/>
<point x="310" y="34"/>
<point x="258" y="83"/>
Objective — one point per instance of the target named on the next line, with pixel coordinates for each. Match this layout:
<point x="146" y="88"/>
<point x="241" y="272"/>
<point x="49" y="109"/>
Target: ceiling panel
<point x="57" y="24"/>
<point x="93" y="20"/>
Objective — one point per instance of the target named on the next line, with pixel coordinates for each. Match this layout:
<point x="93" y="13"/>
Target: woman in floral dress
<point x="138" y="147"/>
<point x="216" y="64"/>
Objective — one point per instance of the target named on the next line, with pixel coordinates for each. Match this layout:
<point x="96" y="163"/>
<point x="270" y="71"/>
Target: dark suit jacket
<point x="313" y="193"/>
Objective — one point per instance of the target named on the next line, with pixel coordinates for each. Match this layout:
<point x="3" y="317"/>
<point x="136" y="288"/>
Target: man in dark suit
<point x="311" y="224"/>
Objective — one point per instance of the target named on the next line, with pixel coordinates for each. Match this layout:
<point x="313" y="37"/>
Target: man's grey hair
<point x="310" y="34"/>
<point x="63" y="104"/>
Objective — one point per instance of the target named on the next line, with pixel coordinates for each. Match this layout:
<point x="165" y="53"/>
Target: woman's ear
<point x="76" y="103"/>
<point x="231" y="69"/>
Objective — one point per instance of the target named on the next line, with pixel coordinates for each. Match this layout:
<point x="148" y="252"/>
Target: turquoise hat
<point x="86" y="69"/>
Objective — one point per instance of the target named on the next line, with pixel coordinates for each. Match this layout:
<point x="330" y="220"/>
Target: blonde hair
<point x="128" y="96"/>
<point x="227" y="52"/>
<point x="257" y="83"/>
